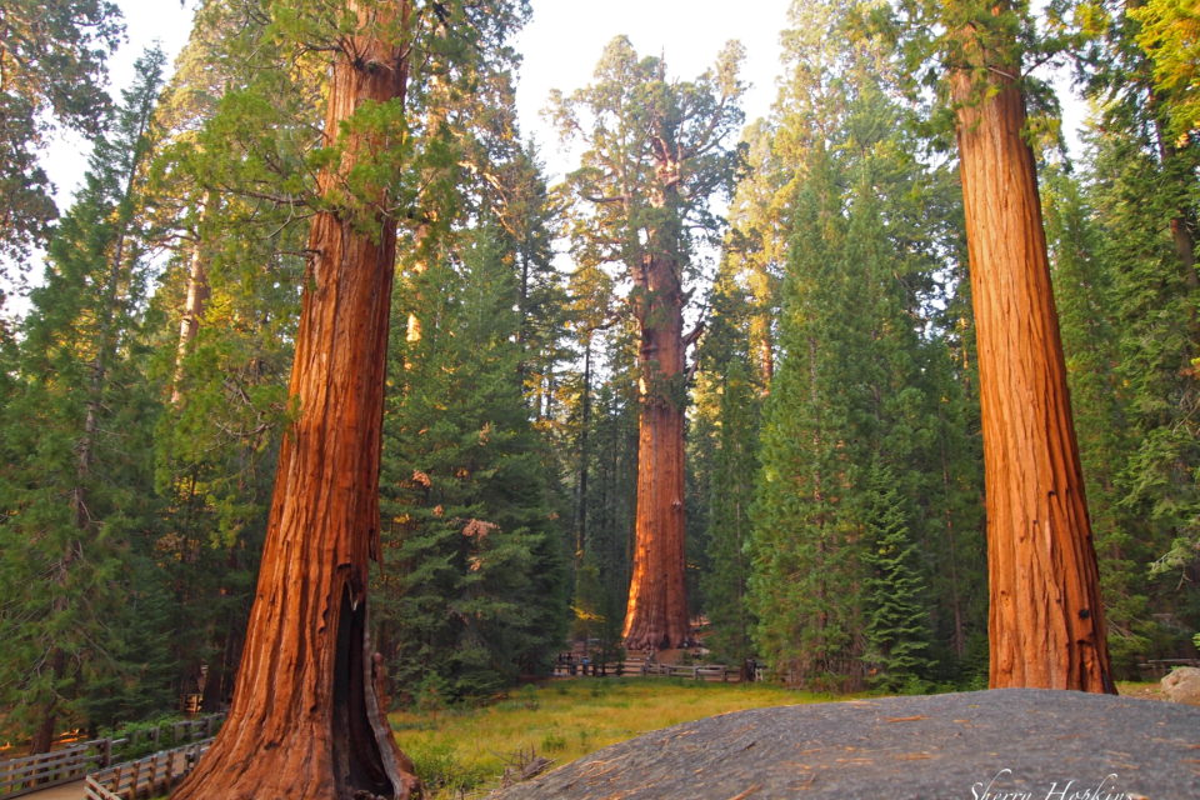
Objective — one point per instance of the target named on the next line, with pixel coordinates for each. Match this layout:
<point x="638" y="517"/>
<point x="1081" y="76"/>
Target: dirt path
<point x="68" y="791"/>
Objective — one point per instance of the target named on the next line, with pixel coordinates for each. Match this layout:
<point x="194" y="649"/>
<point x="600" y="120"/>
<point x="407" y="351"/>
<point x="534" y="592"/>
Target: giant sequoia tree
<point x="657" y="153"/>
<point x="1047" y="622"/>
<point x="305" y="721"/>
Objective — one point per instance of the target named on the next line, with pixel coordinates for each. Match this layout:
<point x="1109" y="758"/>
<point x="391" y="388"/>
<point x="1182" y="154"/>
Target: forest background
<point x="834" y="491"/>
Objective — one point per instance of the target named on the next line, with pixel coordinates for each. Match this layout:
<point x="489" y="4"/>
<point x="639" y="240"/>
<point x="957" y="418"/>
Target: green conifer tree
<point x="865" y="381"/>
<point x="897" y="612"/>
<point x="78" y="496"/>
<point x="474" y="584"/>
<point x="725" y="433"/>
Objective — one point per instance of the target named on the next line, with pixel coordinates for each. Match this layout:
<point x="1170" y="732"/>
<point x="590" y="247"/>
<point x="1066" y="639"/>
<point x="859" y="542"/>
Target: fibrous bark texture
<point x="306" y="721"/>
<point x="1046" y="623"/>
<point x="657" y="615"/>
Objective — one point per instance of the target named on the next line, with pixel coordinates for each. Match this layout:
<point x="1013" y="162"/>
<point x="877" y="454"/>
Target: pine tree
<point x="807" y="566"/>
<point x="725" y="432"/>
<point x="475" y="569"/>
<point x="897" y="615"/>
<point x="78" y="495"/>
<point x="864" y="383"/>
<point x="1142" y="188"/>
<point x="1085" y="297"/>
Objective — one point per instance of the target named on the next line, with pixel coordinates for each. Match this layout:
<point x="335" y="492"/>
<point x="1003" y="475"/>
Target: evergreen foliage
<point x="1125" y="230"/>
<point x="52" y="69"/>
<point x="473" y="587"/>
<point x="77" y="550"/>
<point x="865" y="383"/>
<point x="724" y="434"/>
<point x="897" y="616"/>
<point x="834" y="480"/>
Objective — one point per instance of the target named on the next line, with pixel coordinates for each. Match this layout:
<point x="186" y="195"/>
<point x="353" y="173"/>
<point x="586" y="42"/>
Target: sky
<point x="560" y="47"/>
<point x="564" y="40"/>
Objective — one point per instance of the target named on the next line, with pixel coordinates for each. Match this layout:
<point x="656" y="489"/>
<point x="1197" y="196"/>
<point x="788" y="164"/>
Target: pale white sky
<point x="560" y="46"/>
<point x="563" y="42"/>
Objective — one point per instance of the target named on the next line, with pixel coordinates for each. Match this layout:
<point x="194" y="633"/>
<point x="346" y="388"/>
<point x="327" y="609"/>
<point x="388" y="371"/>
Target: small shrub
<point x="553" y="742"/>
<point x="431" y="694"/>
<point x="440" y="770"/>
<point x="139" y="737"/>
<point x="529" y="697"/>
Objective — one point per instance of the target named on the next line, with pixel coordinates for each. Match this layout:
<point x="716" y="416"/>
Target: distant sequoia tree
<point x="657" y="153"/>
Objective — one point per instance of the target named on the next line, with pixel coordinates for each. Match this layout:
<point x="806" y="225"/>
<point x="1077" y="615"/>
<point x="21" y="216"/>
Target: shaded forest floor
<point x="463" y="753"/>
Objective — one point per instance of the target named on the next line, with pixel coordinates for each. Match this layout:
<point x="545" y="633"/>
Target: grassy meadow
<point x="463" y="752"/>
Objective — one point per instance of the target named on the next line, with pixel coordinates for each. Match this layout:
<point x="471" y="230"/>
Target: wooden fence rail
<point x="700" y="672"/>
<point x="147" y="777"/>
<point x="20" y="776"/>
<point x="705" y="672"/>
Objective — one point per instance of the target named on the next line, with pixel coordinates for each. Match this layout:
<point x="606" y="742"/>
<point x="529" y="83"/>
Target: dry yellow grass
<point x="464" y="752"/>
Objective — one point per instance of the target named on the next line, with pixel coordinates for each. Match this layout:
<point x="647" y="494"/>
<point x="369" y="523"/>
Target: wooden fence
<point x="20" y="776"/>
<point x="147" y="777"/>
<point x="703" y="672"/>
<point x="700" y="672"/>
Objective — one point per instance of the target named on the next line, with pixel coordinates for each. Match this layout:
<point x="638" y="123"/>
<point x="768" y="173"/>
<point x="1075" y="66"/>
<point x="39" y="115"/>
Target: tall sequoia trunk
<point x="306" y="722"/>
<point x="657" y="614"/>
<point x="1046" y="624"/>
<point x="198" y="293"/>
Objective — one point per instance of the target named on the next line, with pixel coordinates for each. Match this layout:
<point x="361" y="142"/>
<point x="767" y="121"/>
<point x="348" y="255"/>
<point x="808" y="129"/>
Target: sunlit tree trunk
<point x="306" y="721"/>
<point x="657" y="615"/>
<point x="1046" y="621"/>
<point x="195" y="303"/>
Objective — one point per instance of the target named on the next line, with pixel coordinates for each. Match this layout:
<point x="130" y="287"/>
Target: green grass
<point x="463" y="752"/>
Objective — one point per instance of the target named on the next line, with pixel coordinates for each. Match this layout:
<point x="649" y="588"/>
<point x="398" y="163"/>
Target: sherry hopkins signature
<point x="1072" y="789"/>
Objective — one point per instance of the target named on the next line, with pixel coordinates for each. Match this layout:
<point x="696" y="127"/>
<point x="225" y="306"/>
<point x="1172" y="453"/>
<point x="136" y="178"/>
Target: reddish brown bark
<point x="657" y="615"/>
<point x="305" y="721"/>
<point x="1046" y="622"/>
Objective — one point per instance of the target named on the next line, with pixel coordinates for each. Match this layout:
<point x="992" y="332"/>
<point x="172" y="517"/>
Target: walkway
<point x="67" y="791"/>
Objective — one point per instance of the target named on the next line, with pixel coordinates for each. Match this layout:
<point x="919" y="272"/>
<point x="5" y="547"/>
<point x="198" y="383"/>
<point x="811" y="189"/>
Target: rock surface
<point x="1015" y="744"/>
<point x="1183" y="685"/>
